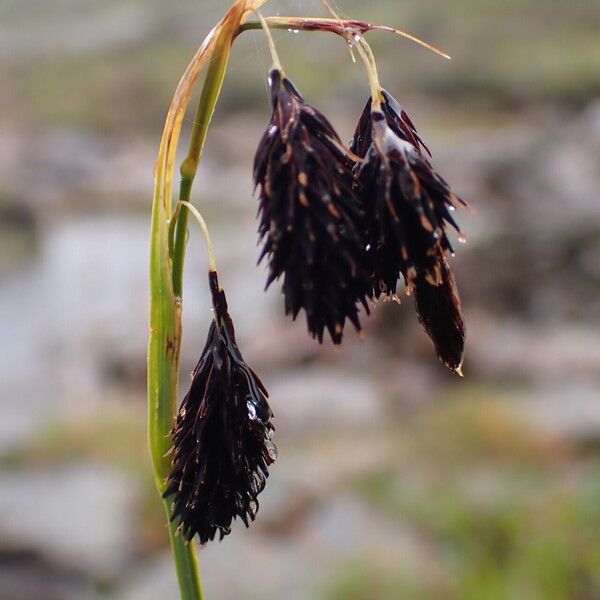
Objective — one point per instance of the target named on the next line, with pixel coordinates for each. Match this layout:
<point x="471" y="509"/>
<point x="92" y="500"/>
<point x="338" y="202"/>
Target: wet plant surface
<point x="488" y="484"/>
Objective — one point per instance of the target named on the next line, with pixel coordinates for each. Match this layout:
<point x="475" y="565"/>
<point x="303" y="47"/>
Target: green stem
<point x="186" y="564"/>
<point x="173" y="243"/>
<point x="189" y="167"/>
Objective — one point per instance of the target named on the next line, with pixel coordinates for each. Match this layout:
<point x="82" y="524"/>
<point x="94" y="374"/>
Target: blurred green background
<point x="395" y="480"/>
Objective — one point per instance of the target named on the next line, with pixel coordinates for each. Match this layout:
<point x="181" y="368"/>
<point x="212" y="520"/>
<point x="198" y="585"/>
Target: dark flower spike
<point x="407" y="204"/>
<point x="395" y="116"/>
<point x="439" y="311"/>
<point x="310" y="221"/>
<point x="222" y="444"/>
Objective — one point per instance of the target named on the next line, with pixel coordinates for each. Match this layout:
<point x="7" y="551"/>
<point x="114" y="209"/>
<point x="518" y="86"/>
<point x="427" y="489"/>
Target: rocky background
<point x="394" y="480"/>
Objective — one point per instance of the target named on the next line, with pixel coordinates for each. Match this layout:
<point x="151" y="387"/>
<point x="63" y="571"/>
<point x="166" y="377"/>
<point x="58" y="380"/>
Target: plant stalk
<point x="338" y="26"/>
<point x="206" y="107"/>
<point x="186" y="563"/>
<point x="166" y="269"/>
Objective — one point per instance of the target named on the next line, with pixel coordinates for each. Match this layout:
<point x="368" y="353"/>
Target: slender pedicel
<point x="212" y="263"/>
<point x="369" y="61"/>
<point x="348" y="34"/>
<point x="270" y="42"/>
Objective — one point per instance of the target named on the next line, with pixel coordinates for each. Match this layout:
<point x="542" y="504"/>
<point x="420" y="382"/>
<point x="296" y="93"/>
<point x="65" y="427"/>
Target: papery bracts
<point x="310" y="220"/>
<point x="222" y="445"/>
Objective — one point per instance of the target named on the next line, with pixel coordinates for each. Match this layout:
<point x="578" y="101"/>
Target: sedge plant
<point x="341" y="227"/>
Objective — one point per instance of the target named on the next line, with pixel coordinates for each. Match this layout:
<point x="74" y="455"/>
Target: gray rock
<point x="552" y="184"/>
<point x="302" y="479"/>
<point x="567" y="409"/>
<point x="78" y="516"/>
<point x="512" y="349"/>
<point x="319" y="399"/>
<point x="256" y="566"/>
<point x="24" y="574"/>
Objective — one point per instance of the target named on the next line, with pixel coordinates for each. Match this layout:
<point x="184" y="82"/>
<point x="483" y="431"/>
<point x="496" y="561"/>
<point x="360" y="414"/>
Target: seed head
<point x="407" y="208"/>
<point x="407" y="205"/>
<point x="439" y="311"/>
<point x="222" y="444"/>
<point x="397" y="119"/>
<point x="310" y="220"/>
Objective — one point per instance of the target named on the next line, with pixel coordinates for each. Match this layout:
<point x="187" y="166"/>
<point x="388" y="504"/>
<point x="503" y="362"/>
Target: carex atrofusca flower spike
<point x="397" y="119"/>
<point x="407" y="204"/>
<point x="407" y="208"/>
<point x="439" y="311"/>
<point x="310" y="220"/>
<point x="222" y="444"/>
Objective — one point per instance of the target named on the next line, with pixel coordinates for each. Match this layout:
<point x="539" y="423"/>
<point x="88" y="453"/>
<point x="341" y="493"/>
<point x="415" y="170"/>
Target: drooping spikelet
<point x="406" y="203"/>
<point x="222" y="444"/>
<point x="439" y="311"/>
<point x="310" y="221"/>
<point x="407" y="208"/>
<point x="396" y="118"/>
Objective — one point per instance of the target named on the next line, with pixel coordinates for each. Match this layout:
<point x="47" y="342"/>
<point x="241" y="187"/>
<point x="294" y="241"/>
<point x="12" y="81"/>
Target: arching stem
<point x="167" y="245"/>
<point x="212" y="263"/>
<point x="337" y="26"/>
<point x="189" y="167"/>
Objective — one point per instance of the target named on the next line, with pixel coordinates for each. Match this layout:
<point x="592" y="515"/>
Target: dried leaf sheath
<point x="222" y="444"/>
<point x="310" y="221"/>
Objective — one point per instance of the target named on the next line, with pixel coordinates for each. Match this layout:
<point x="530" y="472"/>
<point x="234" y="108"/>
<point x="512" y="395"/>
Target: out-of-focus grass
<point x="363" y="579"/>
<point x="506" y="513"/>
<point x="109" y="92"/>
<point x="505" y="54"/>
<point x="116" y="437"/>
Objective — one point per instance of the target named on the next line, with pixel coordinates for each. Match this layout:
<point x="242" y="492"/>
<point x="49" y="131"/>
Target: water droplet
<point x="452" y="208"/>
<point x="436" y="234"/>
<point x="462" y="239"/>
<point x="271" y="450"/>
<point x="356" y="38"/>
<point x="368" y="247"/>
<point x="251" y="410"/>
<point x="294" y="30"/>
<point x="272" y="129"/>
<point x="253" y="507"/>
